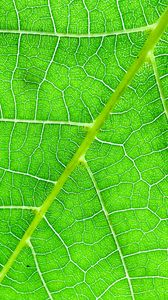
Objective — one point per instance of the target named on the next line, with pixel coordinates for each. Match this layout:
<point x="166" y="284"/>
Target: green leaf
<point x="83" y="150"/>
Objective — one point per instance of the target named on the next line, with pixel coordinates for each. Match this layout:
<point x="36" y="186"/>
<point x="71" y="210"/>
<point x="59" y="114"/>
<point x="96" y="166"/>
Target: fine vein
<point x="92" y="132"/>
<point x="158" y="81"/>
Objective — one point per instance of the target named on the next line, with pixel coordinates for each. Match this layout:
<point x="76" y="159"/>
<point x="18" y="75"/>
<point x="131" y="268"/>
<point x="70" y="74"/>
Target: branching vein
<point x="39" y="271"/>
<point x="90" y="136"/>
<point x="111" y="228"/>
<point x="74" y="35"/>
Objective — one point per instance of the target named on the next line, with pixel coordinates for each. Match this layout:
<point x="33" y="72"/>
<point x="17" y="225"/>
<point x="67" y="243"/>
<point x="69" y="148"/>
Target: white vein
<point x="88" y="15"/>
<point x="51" y="15"/>
<point x="17" y="14"/>
<point x="149" y="277"/>
<point x="34" y="151"/>
<point x="24" y="207"/>
<point x="58" y="235"/>
<point x="45" y="75"/>
<point x="146" y="251"/>
<point x="111" y="228"/>
<point x="62" y="241"/>
<point x="74" y="35"/>
<point x="158" y="81"/>
<point x="46" y="122"/>
<point x="143" y="12"/>
<point x="13" y="73"/>
<point x="111" y="285"/>
<point x="1" y="111"/>
<point x="26" y="174"/>
<point x="119" y="10"/>
<point x="10" y="143"/>
<point x="38" y="270"/>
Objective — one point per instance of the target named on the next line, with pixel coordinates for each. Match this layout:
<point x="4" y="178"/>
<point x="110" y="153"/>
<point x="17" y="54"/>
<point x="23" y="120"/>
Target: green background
<point x="106" y="234"/>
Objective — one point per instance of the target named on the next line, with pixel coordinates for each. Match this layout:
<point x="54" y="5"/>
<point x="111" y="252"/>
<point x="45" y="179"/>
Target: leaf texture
<point x="83" y="180"/>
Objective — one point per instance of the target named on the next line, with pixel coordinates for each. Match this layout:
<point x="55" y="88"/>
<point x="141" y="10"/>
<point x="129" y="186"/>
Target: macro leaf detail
<point x="83" y="150"/>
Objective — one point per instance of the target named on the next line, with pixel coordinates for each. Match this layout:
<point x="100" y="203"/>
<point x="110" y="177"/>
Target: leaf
<point x="83" y="150"/>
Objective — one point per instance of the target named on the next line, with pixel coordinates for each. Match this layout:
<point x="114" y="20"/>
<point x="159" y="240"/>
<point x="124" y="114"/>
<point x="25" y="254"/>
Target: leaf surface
<point x="83" y="179"/>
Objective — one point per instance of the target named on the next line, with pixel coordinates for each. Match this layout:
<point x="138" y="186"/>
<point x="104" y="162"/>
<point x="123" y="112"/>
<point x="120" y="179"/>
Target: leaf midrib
<point x="78" y="157"/>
